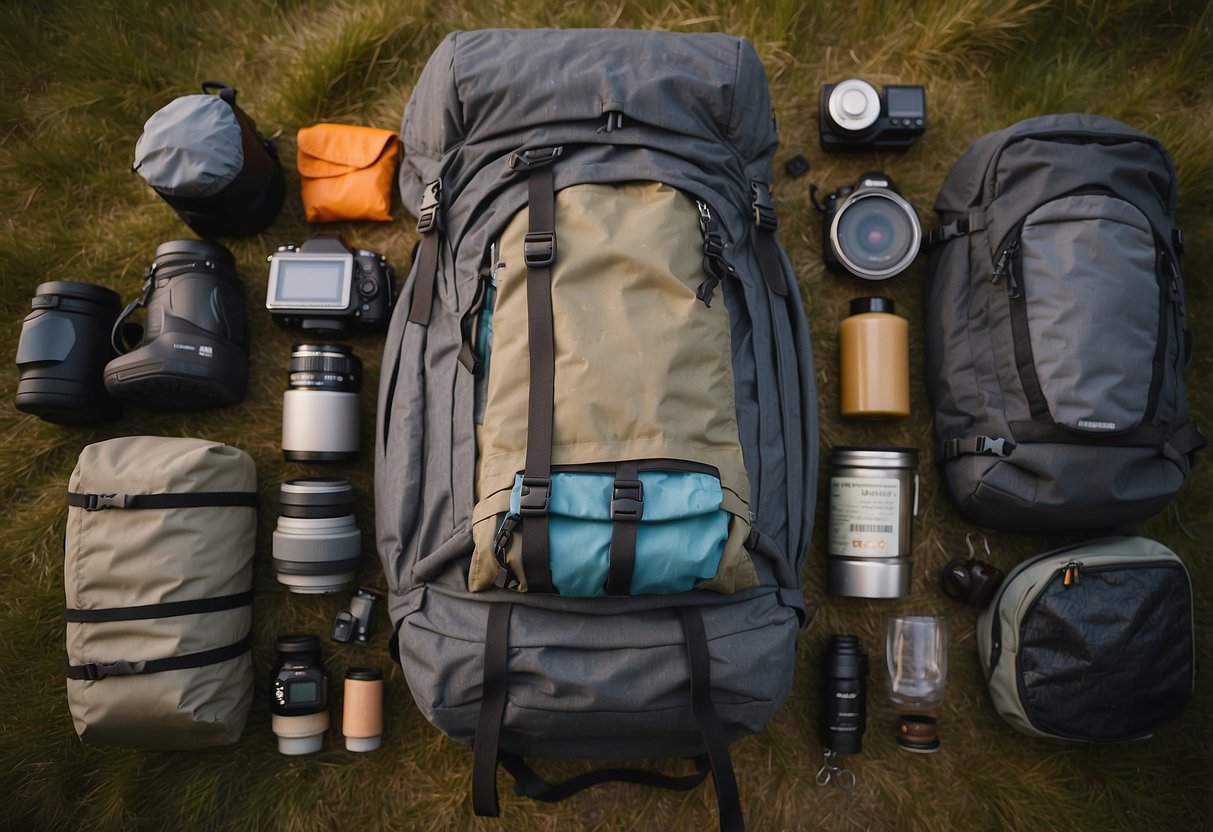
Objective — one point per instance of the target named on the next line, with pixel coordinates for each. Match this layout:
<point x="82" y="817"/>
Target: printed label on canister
<point x="864" y="516"/>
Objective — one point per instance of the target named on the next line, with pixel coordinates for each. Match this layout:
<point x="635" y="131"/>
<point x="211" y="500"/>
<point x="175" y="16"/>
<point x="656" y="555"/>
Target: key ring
<point x="844" y="778"/>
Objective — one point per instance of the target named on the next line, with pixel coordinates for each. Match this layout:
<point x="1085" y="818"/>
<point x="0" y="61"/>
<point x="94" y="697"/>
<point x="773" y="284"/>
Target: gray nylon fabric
<point x="696" y="116"/>
<point x="1092" y="266"/>
<point x="191" y="147"/>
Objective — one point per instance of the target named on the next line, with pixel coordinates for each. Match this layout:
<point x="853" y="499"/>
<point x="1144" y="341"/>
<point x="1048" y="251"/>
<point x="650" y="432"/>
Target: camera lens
<point x="317" y="544"/>
<point x="875" y="234"/>
<point x="320" y="409"/>
<point x="64" y="346"/>
<point x="844" y="673"/>
<point x="194" y="351"/>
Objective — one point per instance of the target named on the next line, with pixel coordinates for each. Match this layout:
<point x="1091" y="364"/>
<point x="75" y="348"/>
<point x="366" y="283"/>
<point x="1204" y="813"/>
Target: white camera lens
<point x="320" y="410"/>
<point x="317" y="545"/>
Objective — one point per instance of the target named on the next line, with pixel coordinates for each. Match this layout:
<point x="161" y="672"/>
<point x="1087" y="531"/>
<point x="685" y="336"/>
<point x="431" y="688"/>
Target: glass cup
<point x="916" y="658"/>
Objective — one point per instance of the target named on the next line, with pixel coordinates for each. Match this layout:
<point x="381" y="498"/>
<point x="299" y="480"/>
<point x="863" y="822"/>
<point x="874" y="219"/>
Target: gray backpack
<point x="596" y="455"/>
<point x="1055" y="332"/>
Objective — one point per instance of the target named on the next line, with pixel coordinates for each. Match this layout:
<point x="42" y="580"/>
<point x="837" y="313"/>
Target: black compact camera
<point x="854" y="116"/>
<point x="300" y="685"/>
<point x="324" y="287"/>
<point x="868" y="230"/>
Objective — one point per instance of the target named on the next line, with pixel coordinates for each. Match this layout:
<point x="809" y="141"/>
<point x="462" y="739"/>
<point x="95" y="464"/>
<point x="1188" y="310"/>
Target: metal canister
<point x="873" y="500"/>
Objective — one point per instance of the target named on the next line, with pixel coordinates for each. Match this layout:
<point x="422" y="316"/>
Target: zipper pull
<point x="1004" y="268"/>
<point x="715" y="266"/>
<point x="1072" y="576"/>
<point x="501" y="544"/>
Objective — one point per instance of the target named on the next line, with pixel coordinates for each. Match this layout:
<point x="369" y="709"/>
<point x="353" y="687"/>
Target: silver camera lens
<point x="317" y="544"/>
<point x="854" y="105"/>
<point x="875" y="234"/>
<point x="320" y="409"/>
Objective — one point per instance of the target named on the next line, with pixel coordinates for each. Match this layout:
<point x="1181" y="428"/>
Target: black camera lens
<point x="844" y="673"/>
<point x="317" y="544"/>
<point x="298" y="694"/>
<point x="320" y="409"/>
<point x="64" y="346"/>
<point x="193" y="354"/>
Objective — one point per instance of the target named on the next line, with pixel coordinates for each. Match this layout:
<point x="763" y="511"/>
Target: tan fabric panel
<point x="643" y="368"/>
<point x="133" y="557"/>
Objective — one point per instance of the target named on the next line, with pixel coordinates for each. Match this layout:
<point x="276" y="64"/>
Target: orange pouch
<point x="346" y="172"/>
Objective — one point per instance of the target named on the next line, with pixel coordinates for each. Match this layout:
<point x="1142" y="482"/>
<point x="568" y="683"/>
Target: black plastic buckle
<point x="627" y="500"/>
<point x="950" y="231"/>
<point x="97" y="502"/>
<point x="992" y="446"/>
<point x="536" y="494"/>
<point x="100" y="670"/>
<point x="764" y="211"/>
<point x="535" y="158"/>
<point x="539" y="249"/>
<point x="427" y="216"/>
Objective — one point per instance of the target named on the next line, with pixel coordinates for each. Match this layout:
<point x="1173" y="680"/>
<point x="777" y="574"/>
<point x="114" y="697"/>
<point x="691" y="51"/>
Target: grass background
<point x="79" y="77"/>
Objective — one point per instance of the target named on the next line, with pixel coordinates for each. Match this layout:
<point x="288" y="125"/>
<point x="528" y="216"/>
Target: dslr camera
<point x="326" y="288"/>
<point x="868" y="230"/>
<point x="854" y="116"/>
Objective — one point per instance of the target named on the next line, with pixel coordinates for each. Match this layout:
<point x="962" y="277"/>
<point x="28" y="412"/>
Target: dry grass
<point x="77" y="81"/>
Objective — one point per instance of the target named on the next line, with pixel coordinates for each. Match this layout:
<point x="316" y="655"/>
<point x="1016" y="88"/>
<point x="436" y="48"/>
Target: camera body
<point x="853" y="116"/>
<point x="869" y="231"/>
<point x="299" y="695"/>
<point x="324" y="287"/>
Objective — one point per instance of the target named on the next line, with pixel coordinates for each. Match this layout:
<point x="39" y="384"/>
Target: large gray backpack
<point x="596" y="455"/>
<point x="1055" y="332"/>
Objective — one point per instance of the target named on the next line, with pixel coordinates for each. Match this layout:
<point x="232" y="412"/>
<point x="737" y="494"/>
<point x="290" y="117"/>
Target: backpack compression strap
<point x="427" y="255"/>
<point x="486" y="746"/>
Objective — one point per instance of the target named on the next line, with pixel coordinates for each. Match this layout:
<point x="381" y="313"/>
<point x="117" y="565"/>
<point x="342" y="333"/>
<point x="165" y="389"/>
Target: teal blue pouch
<point x="679" y="539"/>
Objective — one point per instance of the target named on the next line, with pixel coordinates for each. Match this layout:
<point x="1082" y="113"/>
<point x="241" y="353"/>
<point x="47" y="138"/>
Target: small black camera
<point x="354" y="622"/>
<point x="324" y="287"/>
<point x="854" y="116"/>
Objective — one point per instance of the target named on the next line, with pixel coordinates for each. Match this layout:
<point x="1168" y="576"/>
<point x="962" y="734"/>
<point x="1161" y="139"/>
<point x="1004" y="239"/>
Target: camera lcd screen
<point x="302" y="281"/>
<point x="906" y="102"/>
<point x="302" y="693"/>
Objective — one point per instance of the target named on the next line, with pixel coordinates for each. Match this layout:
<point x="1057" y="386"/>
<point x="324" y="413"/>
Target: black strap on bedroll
<point x="100" y="670"/>
<point x="427" y="255"/>
<point x="194" y="606"/>
<point x="486" y="747"/>
<point x="539" y="252"/>
<point x="195" y="499"/>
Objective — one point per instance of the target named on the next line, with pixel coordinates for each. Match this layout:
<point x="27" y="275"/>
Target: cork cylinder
<point x="362" y="714"/>
<point x="874" y="361"/>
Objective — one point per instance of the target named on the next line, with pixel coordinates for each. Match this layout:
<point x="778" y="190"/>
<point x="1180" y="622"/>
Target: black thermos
<point x="844" y="672"/>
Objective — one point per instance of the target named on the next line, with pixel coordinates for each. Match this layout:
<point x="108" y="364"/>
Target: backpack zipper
<point x="715" y="266"/>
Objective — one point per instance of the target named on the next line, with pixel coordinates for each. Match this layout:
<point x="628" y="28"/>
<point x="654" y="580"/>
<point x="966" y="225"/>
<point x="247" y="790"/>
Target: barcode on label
<point x="878" y="528"/>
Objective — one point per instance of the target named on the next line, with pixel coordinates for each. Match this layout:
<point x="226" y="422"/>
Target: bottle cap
<point x="861" y="305"/>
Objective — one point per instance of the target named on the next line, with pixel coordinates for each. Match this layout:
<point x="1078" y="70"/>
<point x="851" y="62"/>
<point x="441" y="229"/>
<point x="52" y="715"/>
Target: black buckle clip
<point x="764" y="211"/>
<point x="627" y="500"/>
<point x="992" y="446"/>
<point x="427" y="217"/>
<point x="535" y="158"/>
<point x="539" y="249"/>
<point x="100" y="670"/>
<point x="97" y="502"/>
<point x="535" y="496"/>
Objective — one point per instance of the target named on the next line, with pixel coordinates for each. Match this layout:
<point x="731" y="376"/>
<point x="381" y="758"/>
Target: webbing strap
<point x="727" y="797"/>
<point x="100" y="670"/>
<point x="171" y="609"/>
<point x="528" y="783"/>
<point x="427" y="255"/>
<point x="1187" y="439"/>
<point x="627" y="507"/>
<point x="765" y="225"/>
<point x="539" y="252"/>
<point x="981" y="445"/>
<point x="188" y="499"/>
<point x="492" y="709"/>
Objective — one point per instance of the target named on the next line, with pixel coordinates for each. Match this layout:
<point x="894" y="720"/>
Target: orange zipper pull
<point x="1072" y="575"/>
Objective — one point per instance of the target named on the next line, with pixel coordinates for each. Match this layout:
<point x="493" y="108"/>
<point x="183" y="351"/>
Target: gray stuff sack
<point x="203" y="155"/>
<point x="158" y="577"/>
<point x="606" y="677"/>
<point x="1055" y="339"/>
